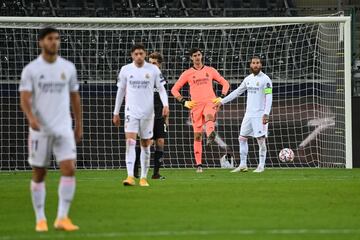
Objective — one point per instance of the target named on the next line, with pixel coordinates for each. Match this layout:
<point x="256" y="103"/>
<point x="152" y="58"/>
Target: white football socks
<point x="244" y="149"/>
<point x="130" y="156"/>
<point x="145" y="161"/>
<point x="66" y="195"/>
<point x="262" y="151"/>
<point x="38" y="194"/>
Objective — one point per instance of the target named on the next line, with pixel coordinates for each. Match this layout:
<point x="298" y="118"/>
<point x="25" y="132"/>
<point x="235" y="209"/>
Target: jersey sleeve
<point x="234" y="94"/>
<point x="268" y="96"/>
<point x="220" y="79"/>
<point x="120" y="94"/>
<point x="26" y="82"/>
<point x="175" y="91"/>
<point x="74" y="84"/>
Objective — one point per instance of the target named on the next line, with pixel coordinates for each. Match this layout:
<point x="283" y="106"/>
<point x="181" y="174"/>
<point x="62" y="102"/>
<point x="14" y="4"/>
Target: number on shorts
<point x="34" y="145"/>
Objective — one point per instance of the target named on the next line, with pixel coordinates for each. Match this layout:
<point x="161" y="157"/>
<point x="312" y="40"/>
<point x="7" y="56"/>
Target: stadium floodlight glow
<point x="307" y="58"/>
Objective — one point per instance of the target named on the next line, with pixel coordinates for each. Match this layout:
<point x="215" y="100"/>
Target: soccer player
<point x="203" y="110"/>
<point x="48" y="85"/>
<point x="136" y="81"/>
<point x="258" y="106"/>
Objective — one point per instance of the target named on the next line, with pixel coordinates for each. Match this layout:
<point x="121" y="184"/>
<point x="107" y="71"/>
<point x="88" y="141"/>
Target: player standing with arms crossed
<point x="258" y="106"/>
<point x="203" y="110"/>
<point x="136" y="81"/>
<point x="48" y="85"/>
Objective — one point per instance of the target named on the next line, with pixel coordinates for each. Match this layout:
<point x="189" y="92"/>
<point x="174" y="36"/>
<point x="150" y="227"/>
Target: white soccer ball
<point x="286" y="155"/>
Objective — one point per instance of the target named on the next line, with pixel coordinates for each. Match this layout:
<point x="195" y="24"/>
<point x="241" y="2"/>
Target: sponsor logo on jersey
<point x="63" y="76"/>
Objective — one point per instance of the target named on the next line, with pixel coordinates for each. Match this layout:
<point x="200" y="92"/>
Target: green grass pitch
<point x="277" y="204"/>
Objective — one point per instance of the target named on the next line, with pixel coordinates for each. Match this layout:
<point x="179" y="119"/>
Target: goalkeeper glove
<point x="217" y="100"/>
<point x="188" y="104"/>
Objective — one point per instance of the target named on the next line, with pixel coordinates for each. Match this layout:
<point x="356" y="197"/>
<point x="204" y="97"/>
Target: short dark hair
<point x="256" y="57"/>
<point x="194" y="50"/>
<point x="46" y="31"/>
<point x="157" y="56"/>
<point x="137" y="46"/>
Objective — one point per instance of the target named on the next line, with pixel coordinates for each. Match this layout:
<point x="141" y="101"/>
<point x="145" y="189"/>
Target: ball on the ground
<point x="286" y="155"/>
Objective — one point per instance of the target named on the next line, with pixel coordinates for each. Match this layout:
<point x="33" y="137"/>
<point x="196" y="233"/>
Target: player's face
<point x="138" y="56"/>
<point x="196" y="58"/>
<point x="255" y="66"/>
<point x="154" y="61"/>
<point x="50" y="43"/>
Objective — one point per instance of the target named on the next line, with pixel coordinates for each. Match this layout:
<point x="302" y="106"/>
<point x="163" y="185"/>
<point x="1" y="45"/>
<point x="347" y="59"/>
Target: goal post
<point x="307" y="58"/>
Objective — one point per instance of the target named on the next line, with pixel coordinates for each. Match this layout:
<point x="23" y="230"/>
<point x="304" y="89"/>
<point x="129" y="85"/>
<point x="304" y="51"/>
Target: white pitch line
<point x="188" y="233"/>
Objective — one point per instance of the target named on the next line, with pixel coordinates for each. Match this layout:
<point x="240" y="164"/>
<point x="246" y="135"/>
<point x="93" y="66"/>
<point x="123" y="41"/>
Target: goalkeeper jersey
<point x="50" y="84"/>
<point x="201" y="83"/>
<point x="259" y="94"/>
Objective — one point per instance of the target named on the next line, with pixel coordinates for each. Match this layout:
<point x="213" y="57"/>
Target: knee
<point x="243" y="139"/>
<point x="160" y="143"/>
<point x="67" y="168"/>
<point x="130" y="142"/>
<point x="146" y="142"/>
<point x="197" y="137"/>
<point x="210" y="117"/>
<point x="39" y="174"/>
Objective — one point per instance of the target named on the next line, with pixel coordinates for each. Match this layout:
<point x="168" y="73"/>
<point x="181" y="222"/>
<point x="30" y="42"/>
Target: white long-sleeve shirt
<point x="137" y="84"/>
<point x="259" y="94"/>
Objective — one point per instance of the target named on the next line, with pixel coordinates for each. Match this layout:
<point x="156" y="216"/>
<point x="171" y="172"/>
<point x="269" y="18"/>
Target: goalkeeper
<point x="258" y="106"/>
<point x="203" y="110"/>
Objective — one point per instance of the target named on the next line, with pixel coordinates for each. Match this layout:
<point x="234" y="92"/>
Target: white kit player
<point x="48" y="86"/>
<point x="258" y="106"/>
<point x="136" y="82"/>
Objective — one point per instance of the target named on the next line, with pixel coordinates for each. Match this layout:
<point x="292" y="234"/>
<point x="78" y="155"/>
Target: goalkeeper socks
<point x="262" y="151"/>
<point x="244" y="149"/>
<point x="210" y="127"/>
<point x="158" y="155"/>
<point x="66" y="195"/>
<point x="38" y="194"/>
<point x="145" y="161"/>
<point x="198" y="151"/>
<point x="130" y="156"/>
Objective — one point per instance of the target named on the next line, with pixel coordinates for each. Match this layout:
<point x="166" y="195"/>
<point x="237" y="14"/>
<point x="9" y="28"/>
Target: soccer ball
<point x="286" y="155"/>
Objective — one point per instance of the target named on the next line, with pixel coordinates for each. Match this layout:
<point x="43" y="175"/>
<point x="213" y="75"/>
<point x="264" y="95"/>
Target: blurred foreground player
<point x="48" y="86"/>
<point x="203" y="110"/>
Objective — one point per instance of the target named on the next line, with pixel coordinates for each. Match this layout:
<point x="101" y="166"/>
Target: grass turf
<point x="277" y="204"/>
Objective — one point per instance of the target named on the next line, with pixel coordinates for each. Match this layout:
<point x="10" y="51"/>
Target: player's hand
<point x="34" y="124"/>
<point x="116" y="120"/>
<point x="217" y="101"/>
<point x="165" y="111"/>
<point x="265" y="119"/>
<point x="78" y="132"/>
<point x="189" y="104"/>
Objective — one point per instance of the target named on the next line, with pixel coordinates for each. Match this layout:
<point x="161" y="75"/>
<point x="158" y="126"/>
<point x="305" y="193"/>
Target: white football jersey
<point x="257" y="87"/>
<point x="51" y="84"/>
<point x="139" y="83"/>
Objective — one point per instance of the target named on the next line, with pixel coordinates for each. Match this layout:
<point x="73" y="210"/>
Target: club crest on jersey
<point x="207" y="74"/>
<point x="42" y="76"/>
<point x="63" y="77"/>
<point x="257" y="83"/>
<point x="131" y="76"/>
<point x="147" y="76"/>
